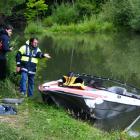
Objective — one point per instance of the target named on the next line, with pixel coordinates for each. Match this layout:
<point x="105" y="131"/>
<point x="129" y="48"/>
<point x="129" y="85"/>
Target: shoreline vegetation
<point x="91" y="26"/>
<point x="105" y="16"/>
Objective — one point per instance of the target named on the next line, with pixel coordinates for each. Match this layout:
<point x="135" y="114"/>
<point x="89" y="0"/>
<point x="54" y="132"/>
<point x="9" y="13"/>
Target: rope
<point x="129" y="127"/>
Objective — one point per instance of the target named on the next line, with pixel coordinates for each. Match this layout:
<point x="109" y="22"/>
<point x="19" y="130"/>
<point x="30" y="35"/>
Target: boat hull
<point x="70" y="102"/>
<point x="77" y="103"/>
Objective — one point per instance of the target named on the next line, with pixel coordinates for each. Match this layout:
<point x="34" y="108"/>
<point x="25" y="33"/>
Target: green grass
<point x="92" y="25"/>
<point x="38" y="121"/>
<point x="8" y="89"/>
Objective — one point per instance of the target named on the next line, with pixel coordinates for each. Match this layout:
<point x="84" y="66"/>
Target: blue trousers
<point x="24" y="83"/>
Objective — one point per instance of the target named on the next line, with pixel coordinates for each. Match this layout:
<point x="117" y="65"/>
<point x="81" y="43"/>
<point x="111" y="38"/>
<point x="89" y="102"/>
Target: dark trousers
<point x="3" y="69"/>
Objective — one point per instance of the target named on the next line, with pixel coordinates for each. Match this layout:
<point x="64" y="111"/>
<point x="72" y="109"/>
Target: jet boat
<point x="98" y="97"/>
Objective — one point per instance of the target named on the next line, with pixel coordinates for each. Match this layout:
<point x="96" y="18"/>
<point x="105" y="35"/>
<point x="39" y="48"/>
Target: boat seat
<point x="117" y="90"/>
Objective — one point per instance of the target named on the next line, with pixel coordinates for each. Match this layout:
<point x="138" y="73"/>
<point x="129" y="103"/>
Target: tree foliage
<point x="89" y="7"/>
<point x="35" y="9"/>
<point x="135" y="21"/>
<point x="125" y="13"/>
<point x="65" y="14"/>
<point x="118" y="11"/>
<point x="6" y="6"/>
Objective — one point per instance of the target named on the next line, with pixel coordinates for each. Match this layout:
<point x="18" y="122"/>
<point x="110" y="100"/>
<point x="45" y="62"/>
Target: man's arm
<point x="18" y="61"/>
<point x="5" y="43"/>
<point x="42" y="55"/>
<point x="18" y="58"/>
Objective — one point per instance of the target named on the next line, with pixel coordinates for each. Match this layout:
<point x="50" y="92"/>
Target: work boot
<point x="22" y="94"/>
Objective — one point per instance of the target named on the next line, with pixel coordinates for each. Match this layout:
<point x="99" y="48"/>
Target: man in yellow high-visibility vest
<point x="26" y="61"/>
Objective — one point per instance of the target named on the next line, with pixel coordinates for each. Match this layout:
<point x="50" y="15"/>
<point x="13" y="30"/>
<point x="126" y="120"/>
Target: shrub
<point x="34" y="28"/>
<point x="35" y="9"/>
<point x="135" y="21"/>
<point x="89" y="25"/>
<point x="118" y="11"/>
<point x="48" y="21"/>
<point x="65" y="14"/>
<point x="86" y="8"/>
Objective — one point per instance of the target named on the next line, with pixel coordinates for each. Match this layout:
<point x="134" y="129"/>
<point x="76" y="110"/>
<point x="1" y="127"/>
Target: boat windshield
<point x="109" y="84"/>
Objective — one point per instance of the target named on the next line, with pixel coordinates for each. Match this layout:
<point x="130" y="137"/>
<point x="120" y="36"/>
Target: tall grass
<point x="34" y="28"/>
<point x="91" y="25"/>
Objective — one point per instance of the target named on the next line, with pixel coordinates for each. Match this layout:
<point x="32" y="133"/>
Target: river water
<point x="114" y="55"/>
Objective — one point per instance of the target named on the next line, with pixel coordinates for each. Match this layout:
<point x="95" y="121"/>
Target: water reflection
<point x="109" y="55"/>
<point x="104" y="55"/>
<point x="119" y="122"/>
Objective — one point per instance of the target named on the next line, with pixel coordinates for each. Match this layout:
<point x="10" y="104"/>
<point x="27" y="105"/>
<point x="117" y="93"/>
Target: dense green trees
<point x="35" y="9"/>
<point x="6" y="6"/>
<point x="124" y="13"/>
<point x="65" y="14"/>
<point x="120" y="13"/>
<point x="135" y="21"/>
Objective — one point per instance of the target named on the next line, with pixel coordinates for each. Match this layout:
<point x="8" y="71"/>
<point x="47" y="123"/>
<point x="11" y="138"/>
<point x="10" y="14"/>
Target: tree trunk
<point x="2" y="19"/>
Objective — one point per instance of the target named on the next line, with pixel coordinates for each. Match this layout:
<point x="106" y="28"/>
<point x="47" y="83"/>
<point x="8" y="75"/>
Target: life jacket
<point x="74" y="82"/>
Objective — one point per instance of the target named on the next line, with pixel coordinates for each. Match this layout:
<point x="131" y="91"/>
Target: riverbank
<point x="37" y="121"/>
<point x="88" y="26"/>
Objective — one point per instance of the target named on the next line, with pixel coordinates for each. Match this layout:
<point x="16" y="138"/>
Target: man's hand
<point x="18" y="69"/>
<point x="47" y="55"/>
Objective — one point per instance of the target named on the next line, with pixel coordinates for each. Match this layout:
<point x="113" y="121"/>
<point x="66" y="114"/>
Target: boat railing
<point x="98" y="81"/>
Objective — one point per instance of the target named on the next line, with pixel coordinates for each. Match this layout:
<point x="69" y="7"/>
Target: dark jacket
<point x="27" y="58"/>
<point x="5" y="43"/>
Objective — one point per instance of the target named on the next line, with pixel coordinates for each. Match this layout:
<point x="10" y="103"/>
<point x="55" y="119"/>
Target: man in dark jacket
<point x="26" y="60"/>
<point x="5" y="35"/>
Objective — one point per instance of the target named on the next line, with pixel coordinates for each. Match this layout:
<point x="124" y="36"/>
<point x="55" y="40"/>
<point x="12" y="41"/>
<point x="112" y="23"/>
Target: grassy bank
<point x="38" y="121"/>
<point x="88" y="26"/>
<point x="35" y="121"/>
<point x="92" y="25"/>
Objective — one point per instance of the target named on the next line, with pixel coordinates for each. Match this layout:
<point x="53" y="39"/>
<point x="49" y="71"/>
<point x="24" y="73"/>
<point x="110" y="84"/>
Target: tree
<point x="35" y="9"/>
<point x="6" y="6"/>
